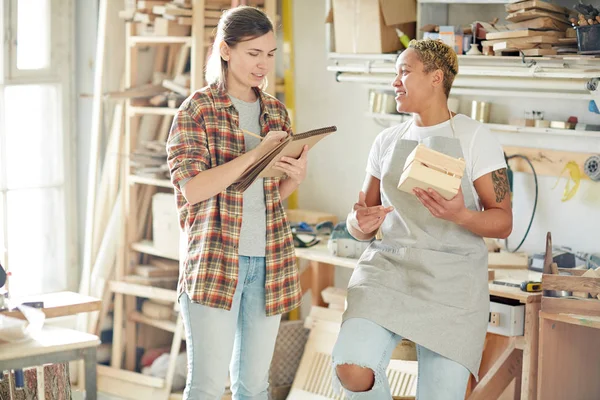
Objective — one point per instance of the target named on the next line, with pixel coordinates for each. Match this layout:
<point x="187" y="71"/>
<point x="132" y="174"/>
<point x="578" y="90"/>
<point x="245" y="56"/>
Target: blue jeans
<point x="242" y="338"/>
<point x="364" y="343"/>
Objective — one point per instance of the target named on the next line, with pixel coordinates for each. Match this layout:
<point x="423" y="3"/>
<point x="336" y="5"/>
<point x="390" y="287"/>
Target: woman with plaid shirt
<point x="239" y="271"/>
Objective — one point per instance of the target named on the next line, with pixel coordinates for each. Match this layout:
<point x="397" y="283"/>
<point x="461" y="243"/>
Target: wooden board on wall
<point x="546" y="162"/>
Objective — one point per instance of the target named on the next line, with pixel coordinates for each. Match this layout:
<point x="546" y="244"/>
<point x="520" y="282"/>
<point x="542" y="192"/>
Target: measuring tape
<point x="592" y="167"/>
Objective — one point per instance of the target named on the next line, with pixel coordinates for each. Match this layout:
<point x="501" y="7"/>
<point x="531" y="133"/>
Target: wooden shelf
<point x="149" y="292"/>
<point x="542" y="131"/>
<point x="152" y="111"/>
<point x="157" y="40"/>
<point x="573" y="319"/>
<point x="142" y="180"/>
<point x="140" y="318"/>
<point x="147" y="247"/>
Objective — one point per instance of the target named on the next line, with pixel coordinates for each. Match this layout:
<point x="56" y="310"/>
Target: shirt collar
<point x="222" y="100"/>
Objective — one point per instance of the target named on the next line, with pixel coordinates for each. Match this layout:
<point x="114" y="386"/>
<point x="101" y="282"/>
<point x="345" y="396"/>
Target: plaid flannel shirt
<point x="205" y="133"/>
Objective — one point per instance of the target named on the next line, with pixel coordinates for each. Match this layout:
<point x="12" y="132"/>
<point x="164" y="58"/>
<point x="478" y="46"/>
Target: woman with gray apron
<point x="426" y="280"/>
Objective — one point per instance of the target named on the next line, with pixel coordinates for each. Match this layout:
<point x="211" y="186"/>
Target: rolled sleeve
<point x="187" y="148"/>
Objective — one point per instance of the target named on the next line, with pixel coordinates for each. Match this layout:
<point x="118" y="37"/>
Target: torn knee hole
<point x="355" y="378"/>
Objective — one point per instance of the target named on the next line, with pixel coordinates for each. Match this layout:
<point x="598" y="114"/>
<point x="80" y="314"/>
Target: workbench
<point x="505" y="358"/>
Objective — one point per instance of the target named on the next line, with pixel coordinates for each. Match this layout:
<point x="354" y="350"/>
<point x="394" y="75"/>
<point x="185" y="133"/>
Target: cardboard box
<point x="369" y="26"/>
<point x="426" y="168"/>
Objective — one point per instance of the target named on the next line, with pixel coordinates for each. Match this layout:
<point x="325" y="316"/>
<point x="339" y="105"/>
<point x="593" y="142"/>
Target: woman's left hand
<point x="295" y="169"/>
<point x="439" y="207"/>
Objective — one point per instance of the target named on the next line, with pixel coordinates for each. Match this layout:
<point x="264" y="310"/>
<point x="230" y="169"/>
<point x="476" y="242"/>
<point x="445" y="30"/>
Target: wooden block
<point x="436" y="160"/>
<point x="504" y="260"/>
<point x="543" y="23"/>
<point x="536" y="4"/>
<point x="417" y="175"/>
<point x="491" y="275"/>
<point x="525" y="15"/>
<point x="571" y="283"/>
<point x="521" y="33"/>
<point x="509" y="46"/>
<point x="165" y="27"/>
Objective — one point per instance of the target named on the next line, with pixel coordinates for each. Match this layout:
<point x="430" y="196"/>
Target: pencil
<point x="252" y="134"/>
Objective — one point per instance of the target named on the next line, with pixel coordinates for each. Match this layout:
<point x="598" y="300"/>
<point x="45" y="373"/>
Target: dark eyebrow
<point x="260" y="51"/>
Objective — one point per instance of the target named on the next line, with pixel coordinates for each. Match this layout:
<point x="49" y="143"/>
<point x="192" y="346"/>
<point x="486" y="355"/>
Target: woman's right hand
<point x="272" y="139"/>
<point x="367" y="220"/>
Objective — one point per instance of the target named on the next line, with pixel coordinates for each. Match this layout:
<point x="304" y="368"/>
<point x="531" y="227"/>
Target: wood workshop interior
<point x="299" y="199"/>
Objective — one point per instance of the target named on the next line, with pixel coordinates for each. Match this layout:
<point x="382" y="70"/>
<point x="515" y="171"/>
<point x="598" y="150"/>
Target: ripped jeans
<point x="364" y="343"/>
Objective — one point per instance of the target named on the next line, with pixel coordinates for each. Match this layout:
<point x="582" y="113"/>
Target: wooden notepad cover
<point x="426" y="168"/>
<point x="290" y="147"/>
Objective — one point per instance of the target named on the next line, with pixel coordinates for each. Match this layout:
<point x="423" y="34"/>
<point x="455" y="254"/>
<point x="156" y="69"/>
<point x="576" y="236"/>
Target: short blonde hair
<point x="435" y="54"/>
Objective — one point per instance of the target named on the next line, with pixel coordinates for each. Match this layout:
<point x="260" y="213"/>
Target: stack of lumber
<point x="150" y="160"/>
<point x="536" y="28"/>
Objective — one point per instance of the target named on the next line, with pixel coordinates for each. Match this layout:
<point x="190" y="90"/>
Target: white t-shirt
<point x="481" y="149"/>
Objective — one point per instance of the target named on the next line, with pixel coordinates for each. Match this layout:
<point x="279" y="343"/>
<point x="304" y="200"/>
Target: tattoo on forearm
<point x="501" y="187"/>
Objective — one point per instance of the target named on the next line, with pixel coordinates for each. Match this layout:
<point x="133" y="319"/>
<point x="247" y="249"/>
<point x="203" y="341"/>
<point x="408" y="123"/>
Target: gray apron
<point x="427" y="279"/>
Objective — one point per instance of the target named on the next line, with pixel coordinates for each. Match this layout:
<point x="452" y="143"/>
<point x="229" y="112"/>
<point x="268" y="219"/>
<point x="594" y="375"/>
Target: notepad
<point x="289" y="147"/>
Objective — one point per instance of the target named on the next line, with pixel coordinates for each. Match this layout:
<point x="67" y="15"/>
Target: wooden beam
<point x="546" y="162"/>
<point x="507" y="367"/>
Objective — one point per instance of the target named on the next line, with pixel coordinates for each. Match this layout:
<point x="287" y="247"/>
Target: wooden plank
<point x="507" y="367"/>
<point x="539" y="52"/>
<point x="525" y="15"/>
<point x="58" y="304"/>
<point x="543" y="23"/>
<point x="529" y="375"/>
<point x="197" y="51"/>
<point x="574" y="319"/>
<point x="165" y="325"/>
<point x="542" y="5"/>
<point x="150" y="292"/>
<point x="545" y="162"/>
<point x="571" y="283"/>
<point x="555" y="305"/>
<point x="520" y="41"/>
<point x="522" y="33"/>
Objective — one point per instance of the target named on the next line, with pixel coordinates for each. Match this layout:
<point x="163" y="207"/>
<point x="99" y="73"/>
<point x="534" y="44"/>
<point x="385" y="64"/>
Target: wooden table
<point x="58" y="304"/>
<point x="505" y="358"/>
<point x="54" y="345"/>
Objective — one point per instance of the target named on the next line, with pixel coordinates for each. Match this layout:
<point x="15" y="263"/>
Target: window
<point x="37" y="216"/>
